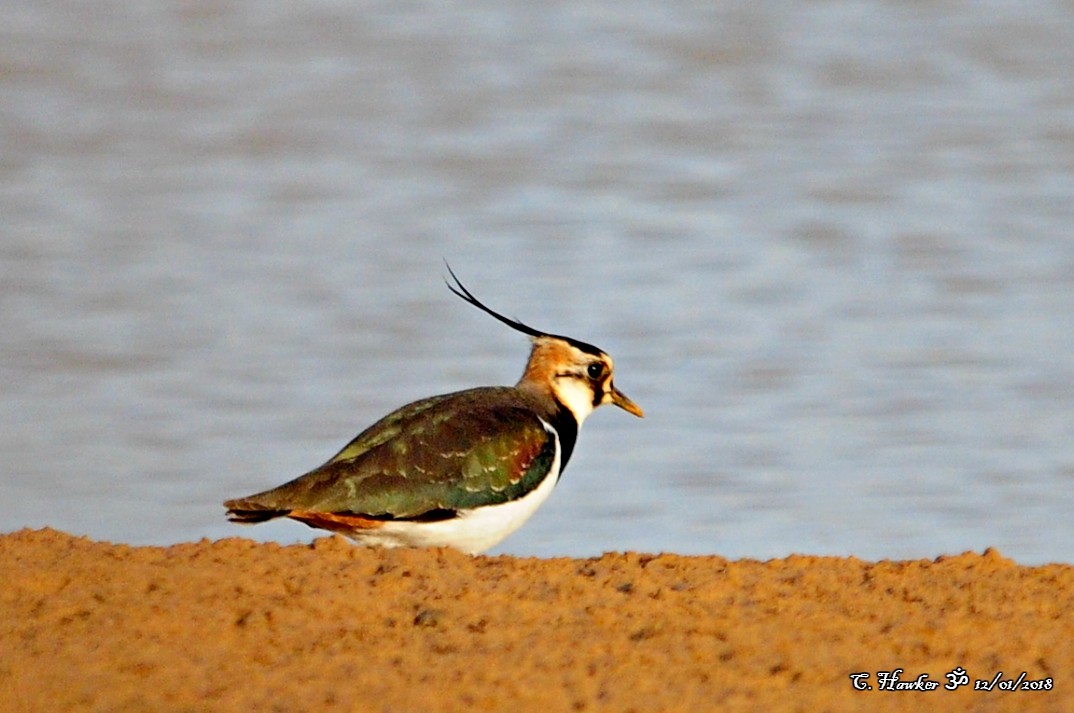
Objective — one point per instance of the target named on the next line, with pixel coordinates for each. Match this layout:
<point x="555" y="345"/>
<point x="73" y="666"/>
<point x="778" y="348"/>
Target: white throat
<point x="576" y="395"/>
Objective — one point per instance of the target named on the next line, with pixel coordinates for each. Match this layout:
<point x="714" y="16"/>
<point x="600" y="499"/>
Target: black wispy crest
<point x="459" y="289"/>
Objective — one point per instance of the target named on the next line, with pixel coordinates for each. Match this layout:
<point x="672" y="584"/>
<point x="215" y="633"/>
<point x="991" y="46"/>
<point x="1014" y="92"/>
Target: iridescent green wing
<point x="464" y="450"/>
<point x="395" y="424"/>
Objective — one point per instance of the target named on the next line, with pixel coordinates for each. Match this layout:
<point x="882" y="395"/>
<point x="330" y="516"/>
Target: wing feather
<point x="446" y="453"/>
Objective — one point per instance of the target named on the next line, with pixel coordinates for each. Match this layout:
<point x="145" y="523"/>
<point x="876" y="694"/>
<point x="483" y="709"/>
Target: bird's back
<point x="434" y="456"/>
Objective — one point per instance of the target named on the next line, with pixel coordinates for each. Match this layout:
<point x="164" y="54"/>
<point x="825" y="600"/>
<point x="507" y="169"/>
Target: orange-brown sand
<point x="239" y="626"/>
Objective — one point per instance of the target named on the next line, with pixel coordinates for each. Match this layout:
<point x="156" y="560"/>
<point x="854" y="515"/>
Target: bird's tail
<point x="249" y="512"/>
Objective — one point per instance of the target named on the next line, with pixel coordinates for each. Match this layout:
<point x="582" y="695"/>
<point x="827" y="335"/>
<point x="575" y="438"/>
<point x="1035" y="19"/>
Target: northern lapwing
<point x="461" y="470"/>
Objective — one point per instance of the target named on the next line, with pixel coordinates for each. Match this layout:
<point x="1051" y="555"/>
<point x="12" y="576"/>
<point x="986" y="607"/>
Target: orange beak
<point x="622" y="401"/>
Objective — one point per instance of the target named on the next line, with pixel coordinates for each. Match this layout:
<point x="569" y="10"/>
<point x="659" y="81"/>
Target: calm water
<point x="830" y="245"/>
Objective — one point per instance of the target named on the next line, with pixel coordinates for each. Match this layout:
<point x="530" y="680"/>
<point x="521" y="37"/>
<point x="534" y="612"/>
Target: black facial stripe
<point x="600" y="388"/>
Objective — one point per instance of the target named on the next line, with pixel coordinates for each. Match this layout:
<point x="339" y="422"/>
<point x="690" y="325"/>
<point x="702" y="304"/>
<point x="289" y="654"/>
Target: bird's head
<point x="577" y="375"/>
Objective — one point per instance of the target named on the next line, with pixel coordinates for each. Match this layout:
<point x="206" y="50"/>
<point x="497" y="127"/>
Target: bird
<point x="461" y="470"/>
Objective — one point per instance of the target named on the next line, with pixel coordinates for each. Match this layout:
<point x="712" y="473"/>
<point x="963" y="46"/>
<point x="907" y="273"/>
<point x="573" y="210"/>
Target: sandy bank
<point x="239" y="626"/>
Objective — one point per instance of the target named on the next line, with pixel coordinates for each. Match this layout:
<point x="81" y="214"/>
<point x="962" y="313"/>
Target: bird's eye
<point x="595" y="370"/>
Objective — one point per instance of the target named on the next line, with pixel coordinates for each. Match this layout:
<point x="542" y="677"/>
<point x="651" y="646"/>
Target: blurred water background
<point x="829" y="244"/>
